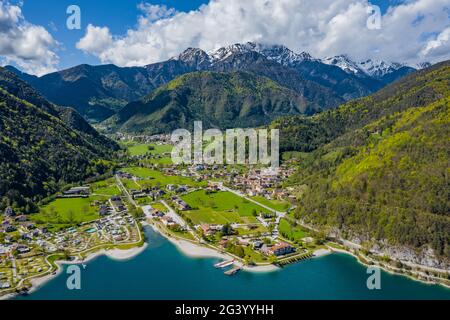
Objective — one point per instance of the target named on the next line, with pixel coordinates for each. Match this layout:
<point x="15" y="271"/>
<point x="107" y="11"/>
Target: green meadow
<point x="67" y="211"/>
<point x="143" y="148"/>
<point x="152" y="177"/>
<point x="105" y="188"/>
<point x="277" y="205"/>
<point x="291" y="232"/>
<point x="220" y="208"/>
<point x="159" y="206"/>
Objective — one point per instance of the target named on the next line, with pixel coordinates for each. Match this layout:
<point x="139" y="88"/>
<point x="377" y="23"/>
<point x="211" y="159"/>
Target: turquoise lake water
<point x="163" y="272"/>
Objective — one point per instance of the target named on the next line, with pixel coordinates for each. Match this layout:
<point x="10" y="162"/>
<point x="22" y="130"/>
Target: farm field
<point x="153" y="177"/>
<point x="277" y="205"/>
<point x="67" y="211"/>
<point x="220" y="208"/>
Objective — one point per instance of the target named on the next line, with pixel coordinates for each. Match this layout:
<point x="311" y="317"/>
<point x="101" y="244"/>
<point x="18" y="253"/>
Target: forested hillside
<point x="378" y="168"/>
<point x="42" y="146"/>
<point x="221" y="100"/>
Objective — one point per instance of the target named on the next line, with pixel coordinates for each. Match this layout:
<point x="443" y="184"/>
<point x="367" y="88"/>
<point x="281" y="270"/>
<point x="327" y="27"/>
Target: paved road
<point x="175" y="217"/>
<point x="171" y="213"/>
<point x="125" y="191"/>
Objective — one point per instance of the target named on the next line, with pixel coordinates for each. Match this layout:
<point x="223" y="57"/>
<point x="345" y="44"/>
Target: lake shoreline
<point x="193" y="250"/>
<point x="113" y="254"/>
<point x="188" y="249"/>
<point x="390" y="271"/>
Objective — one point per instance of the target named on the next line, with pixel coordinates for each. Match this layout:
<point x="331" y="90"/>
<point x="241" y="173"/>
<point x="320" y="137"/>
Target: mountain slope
<point x="42" y="145"/>
<point x="320" y="97"/>
<point x="97" y="92"/>
<point x="379" y="170"/>
<point x="343" y="84"/>
<point x="220" y="100"/>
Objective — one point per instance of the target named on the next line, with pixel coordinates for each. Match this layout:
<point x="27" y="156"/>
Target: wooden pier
<point x="232" y="271"/>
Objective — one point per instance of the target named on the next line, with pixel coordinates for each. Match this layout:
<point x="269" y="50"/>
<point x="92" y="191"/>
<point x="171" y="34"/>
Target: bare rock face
<point x="421" y="257"/>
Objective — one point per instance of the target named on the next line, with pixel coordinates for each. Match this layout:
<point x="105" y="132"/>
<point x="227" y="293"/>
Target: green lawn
<point x="130" y="184"/>
<point x="220" y="208"/>
<point x="142" y="149"/>
<point x="277" y="205"/>
<point x="152" y="177"/>
<point x="159" y="206"/>
<point x="67" y="211"/>
<point x="290" y="232"/>
<point x="106" y="187"/>
<point x="245" y="231"/>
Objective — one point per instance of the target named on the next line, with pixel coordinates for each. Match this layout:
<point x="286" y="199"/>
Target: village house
<point x="181" y="205"/>
<point x="9" y="212"/>
<point x="168" y="221"/>
<point x="21" y="218"/>
<point x="279" y="249"/>
<point x="118" y="204"/>
<point x="257" y="244"/>
<point x="157" y="214"/>
<point x="10" y="229"/>
<point x="124" y="175"/>
<point x="206" y="229"/>
<point x="77" y="192"/>
<point x="23" y="249"/>
<point x="104" y="210"/>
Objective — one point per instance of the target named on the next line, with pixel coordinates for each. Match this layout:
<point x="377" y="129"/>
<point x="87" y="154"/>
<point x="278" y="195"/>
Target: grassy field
<point x="245" y="231"/>
<point x="130" y="184"/>
<point x="142" y="149"/>
<point x="106" y="187"/>
<point x="290" y="232"/>
<point x="220" y="208"/>
<point x="152" y="177"/>
<point x="159" y="206"/>
<point x="67" y="211"/>
<point x="281" y="206"/>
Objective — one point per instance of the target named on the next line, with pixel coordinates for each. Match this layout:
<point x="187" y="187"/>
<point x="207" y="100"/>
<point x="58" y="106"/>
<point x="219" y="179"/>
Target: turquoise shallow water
<point x="162" y="272"/>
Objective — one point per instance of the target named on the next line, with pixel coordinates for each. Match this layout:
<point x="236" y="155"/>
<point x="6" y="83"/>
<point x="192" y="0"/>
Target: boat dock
<point x="223" y="264"/>
<point x="232" y="271"/>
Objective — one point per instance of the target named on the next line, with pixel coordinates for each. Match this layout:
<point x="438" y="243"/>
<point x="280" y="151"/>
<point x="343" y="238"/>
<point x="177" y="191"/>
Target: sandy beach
<point x="197" y="251"/>
<point x="322" y="252"/>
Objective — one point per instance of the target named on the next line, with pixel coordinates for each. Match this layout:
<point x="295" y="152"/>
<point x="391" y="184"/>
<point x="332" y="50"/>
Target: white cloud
<point x="322" y="27"/>
<point x="95" y="40"/>
<point x="440" y="46"/>
<point x="29" y="46"/>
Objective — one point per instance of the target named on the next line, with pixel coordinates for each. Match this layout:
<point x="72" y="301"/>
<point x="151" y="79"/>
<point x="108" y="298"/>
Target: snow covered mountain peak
<point x="379" y="68"/>
<point x="278" y="53"/>
<point x="371" y="67"/>
<point x="345" y="63"/>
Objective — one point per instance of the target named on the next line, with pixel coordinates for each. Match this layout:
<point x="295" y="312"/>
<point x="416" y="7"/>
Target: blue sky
<point x="116" y="35"/>
<point x="118" y="15"/>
